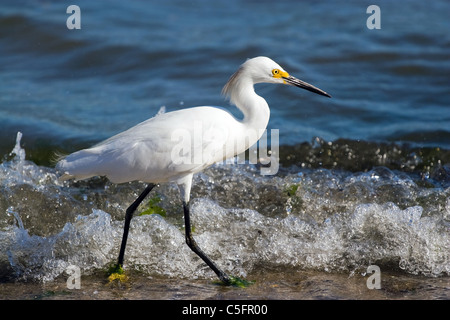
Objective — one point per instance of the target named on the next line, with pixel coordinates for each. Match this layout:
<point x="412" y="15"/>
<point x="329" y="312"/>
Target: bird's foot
<point x="117" y="274"/>
<point x="235" y="282"/>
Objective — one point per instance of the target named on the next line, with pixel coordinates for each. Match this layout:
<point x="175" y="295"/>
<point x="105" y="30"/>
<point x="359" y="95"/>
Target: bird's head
<point x="265" y="70"/>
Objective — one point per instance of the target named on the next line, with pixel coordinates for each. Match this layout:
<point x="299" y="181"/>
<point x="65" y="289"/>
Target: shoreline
<point x="292" y="285"/>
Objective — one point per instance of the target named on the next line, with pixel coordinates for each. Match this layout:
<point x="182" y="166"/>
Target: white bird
<point x="173" y="146"/>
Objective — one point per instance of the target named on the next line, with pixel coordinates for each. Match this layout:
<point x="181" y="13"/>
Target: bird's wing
<point x="160" y="149"/>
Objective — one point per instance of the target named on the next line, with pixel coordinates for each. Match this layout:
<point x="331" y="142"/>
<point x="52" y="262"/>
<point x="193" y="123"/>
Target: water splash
<point x="319" y="219"/>
<point x="18" y="152"/>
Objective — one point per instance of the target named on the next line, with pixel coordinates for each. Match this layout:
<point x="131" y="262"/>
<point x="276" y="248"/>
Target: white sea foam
<point x="310" y="219"/>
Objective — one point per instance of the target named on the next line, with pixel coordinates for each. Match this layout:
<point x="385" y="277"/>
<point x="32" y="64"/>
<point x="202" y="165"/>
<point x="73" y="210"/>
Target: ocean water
<point x="364" y="176"/>
<point x="68" y="88"/>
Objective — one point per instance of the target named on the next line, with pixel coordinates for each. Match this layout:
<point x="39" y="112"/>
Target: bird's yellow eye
<point x="277" y="73"/>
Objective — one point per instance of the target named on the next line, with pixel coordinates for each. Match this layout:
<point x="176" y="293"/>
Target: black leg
<point x="194" y="247"/>
<point x="129" y="214"/>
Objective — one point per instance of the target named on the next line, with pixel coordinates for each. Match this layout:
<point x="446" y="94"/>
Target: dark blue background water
<point x="65" y="87"/>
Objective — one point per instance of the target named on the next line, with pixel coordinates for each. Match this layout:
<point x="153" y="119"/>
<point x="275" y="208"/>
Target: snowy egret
<point x="173" y="146"/>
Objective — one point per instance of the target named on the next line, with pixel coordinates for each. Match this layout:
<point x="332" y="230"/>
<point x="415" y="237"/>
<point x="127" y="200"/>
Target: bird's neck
<point x="255" y="109"/>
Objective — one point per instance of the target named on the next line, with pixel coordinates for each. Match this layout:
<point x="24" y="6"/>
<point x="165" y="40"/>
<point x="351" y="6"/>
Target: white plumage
<point x="173" y="146"/>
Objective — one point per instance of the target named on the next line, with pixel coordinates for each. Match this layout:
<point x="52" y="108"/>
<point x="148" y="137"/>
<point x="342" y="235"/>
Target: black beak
<point x="304" y="85"/>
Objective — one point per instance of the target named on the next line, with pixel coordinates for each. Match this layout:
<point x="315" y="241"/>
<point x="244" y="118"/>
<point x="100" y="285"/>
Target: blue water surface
<point x="130" y="58"/>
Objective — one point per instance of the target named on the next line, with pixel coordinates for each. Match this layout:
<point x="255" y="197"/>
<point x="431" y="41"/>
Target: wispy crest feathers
<point x="228" y="88"/>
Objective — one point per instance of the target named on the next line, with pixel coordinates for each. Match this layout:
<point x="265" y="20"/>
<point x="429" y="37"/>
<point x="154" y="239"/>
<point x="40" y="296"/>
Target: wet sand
<point x="304" y="285"/>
